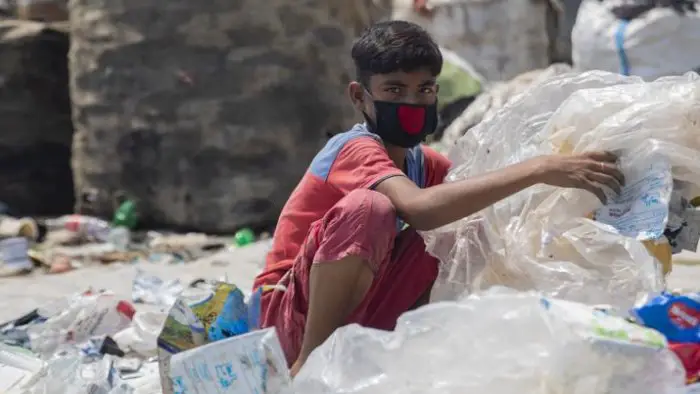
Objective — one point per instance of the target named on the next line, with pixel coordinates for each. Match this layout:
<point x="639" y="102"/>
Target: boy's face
<point x="417" y="87"/>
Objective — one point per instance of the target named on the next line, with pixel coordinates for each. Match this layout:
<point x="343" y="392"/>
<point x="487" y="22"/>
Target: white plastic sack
<point x="501" y="343"/>
<point x="657" y="43"/>
<point x="500" y="38"/>
<point x="538" y="238"/>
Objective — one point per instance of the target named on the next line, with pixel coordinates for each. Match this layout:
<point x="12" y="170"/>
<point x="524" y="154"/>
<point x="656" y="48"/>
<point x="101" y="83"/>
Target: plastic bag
<point x="150" y="289"/>
<point x="498" y="343"/>
<point x="539" y="238"/>
<point x="659" y="42"/>
<point x="142" y="336"/>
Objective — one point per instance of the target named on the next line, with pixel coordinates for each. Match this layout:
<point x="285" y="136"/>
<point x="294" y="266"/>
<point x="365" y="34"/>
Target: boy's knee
<point x="374" y="206"/>
<point x="363" y="224"/>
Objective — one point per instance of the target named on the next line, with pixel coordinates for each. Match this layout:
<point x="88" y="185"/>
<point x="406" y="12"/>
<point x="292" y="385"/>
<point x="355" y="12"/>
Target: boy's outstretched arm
<point x="426" y="209"/>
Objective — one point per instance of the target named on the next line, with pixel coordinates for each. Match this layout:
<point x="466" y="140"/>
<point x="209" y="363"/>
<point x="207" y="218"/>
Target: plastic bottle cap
<point x="244" y="237"/>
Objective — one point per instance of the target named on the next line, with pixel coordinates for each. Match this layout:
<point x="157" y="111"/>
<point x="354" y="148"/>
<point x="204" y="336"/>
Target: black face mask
<point x="404" y="125"/>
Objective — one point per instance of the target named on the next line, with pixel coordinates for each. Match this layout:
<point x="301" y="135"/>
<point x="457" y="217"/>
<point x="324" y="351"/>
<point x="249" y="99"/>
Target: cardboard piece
<point x="191" y="362"/>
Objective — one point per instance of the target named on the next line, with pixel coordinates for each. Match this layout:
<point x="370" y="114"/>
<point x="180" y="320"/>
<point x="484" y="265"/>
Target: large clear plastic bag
<point x="539" y="238"/>
<point x="499" y="343"/>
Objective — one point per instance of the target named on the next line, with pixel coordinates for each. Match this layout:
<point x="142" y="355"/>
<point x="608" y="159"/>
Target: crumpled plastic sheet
<point x="539" y="238"/>
<point x="500" y="343"/>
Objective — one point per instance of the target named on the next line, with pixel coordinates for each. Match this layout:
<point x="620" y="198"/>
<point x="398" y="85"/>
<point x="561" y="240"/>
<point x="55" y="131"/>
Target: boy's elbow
<point x="418" y="217"/>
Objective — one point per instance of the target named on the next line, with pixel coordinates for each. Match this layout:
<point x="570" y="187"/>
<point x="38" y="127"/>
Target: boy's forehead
<point x="413" y="78"/>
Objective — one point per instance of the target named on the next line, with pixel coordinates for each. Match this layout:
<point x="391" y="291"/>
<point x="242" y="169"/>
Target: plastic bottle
<point x="126" y="215"/>
<point x="87" y="225"/>
<point x="244" y="237"/>
<point x="120" y="237"/>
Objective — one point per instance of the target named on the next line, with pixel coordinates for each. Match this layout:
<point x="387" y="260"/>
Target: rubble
<point x="107" y="342"/>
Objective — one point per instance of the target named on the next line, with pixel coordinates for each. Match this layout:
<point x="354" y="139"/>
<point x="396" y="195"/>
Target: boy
<point x="341" y="252"/>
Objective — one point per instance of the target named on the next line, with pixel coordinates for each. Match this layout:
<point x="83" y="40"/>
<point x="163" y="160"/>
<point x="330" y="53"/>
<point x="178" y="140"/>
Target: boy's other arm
<point x="432" y="207"/>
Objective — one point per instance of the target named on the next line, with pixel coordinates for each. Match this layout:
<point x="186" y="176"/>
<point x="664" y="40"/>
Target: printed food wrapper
<point x="677" y="316"/>
<point x="219" y="315"/>
<point x="252" y="363"/>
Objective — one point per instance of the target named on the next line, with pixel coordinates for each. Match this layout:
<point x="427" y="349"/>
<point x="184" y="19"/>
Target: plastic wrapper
<point x="85" y="315"/>
<point x="194" y="323"/>
<point x="541" y="238"/>
<point x="677" y="316"/>
<point x="142" y="335"/>
<point x="498" y="343"/>
<point x="150" y="289"/>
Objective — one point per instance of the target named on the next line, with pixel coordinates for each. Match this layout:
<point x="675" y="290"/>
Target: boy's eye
<point x="394" y="89"/>
<point x="427" y="90"/>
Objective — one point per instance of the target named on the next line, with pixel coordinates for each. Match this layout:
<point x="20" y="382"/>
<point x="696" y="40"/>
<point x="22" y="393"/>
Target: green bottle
<point x="244" y="237"/>
<point x="125" y="215"/>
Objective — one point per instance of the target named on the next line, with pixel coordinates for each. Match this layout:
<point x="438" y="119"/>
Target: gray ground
<point x="19" y="295"/>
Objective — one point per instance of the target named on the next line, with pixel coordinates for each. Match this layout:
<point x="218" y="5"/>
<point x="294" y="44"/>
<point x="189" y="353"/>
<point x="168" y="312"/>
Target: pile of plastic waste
<point x="98" y="341"/>
<point x="502" y="342"/>
<point x="95" y="342"/>
<point x="564" y="242"/>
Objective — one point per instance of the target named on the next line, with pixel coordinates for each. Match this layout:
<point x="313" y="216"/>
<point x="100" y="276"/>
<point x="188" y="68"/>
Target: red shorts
<point x="361" y="224"/>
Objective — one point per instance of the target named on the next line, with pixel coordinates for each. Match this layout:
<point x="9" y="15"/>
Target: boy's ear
<point x="357" y="95"/>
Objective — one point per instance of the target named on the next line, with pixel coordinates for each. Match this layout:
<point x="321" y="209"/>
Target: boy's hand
<point x="588" y="171"/>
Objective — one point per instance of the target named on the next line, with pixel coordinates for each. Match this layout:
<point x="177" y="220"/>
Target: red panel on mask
<point x="411" y="119"/>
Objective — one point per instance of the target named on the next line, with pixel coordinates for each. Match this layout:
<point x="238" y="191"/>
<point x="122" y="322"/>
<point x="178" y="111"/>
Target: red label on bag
<point x="683" y="316"/>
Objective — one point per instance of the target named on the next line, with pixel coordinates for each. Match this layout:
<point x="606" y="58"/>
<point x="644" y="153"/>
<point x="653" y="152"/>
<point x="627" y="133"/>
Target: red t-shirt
<point x="352" y="160"/>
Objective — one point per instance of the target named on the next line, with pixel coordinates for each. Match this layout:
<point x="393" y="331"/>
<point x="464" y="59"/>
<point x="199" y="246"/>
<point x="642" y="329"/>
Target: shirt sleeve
<point x="437" y="166"/>
<point x="362" y="164"/>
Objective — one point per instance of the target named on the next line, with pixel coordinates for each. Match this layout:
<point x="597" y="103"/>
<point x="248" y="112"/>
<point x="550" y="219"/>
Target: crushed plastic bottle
<point x="244" y="237"/>
<point x="126" y="215"/>
<point x="89" y="226"/>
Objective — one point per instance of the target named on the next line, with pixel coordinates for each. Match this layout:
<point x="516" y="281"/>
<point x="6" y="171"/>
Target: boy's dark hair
<point x="392" y="46"/>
